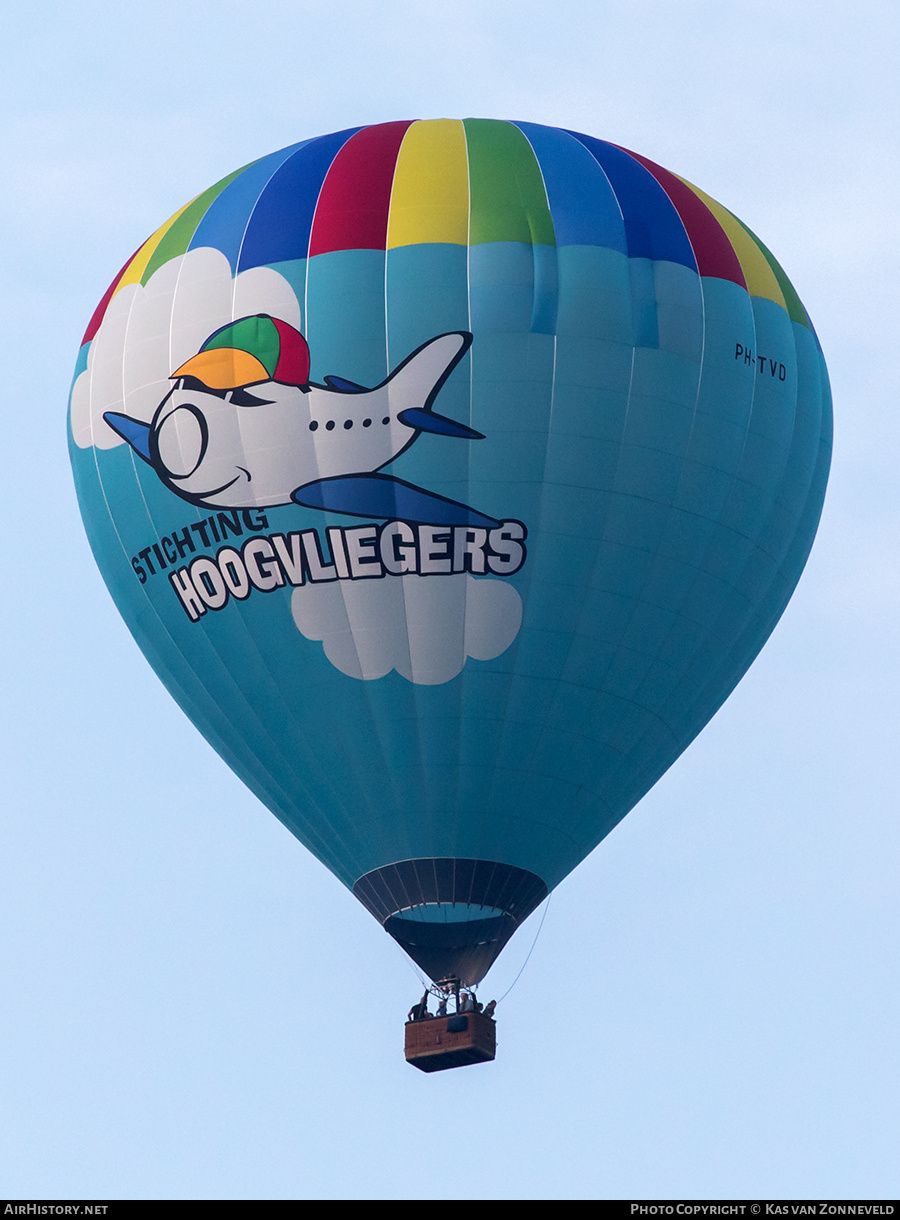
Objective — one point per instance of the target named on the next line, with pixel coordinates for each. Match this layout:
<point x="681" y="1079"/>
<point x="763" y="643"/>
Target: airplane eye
<point x="243" y="398"/>
<point x="180" y="441"/>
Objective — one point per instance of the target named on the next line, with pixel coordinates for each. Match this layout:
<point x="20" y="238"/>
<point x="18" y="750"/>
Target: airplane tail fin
<point x="417" y="381"/>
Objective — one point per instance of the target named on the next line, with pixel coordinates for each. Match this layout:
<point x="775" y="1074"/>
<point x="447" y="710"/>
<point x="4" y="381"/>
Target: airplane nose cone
<point x="181" y="441"/>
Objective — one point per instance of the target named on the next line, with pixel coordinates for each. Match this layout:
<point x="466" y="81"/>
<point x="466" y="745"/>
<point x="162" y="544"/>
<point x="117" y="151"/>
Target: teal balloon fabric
<point x="450" y="474"/>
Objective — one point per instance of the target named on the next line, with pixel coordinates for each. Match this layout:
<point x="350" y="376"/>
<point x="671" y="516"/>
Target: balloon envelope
<point x="451" y="474"/>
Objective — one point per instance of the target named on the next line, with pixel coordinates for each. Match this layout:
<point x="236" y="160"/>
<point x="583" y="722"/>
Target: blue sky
<point x="193" y="1007"/>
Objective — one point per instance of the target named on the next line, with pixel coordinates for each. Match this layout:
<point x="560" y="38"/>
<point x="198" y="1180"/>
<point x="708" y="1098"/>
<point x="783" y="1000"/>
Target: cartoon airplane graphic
<point x="244" y="427"/>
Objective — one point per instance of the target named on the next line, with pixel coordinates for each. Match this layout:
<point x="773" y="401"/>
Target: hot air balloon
<point x="450" y="474"/>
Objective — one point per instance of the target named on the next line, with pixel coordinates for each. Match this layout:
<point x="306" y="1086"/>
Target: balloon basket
<point x="438" y="1043"/>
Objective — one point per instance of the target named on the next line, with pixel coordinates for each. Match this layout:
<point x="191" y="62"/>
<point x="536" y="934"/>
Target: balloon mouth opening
<point x="447" y="912"/>
<point x="452" y="916"/>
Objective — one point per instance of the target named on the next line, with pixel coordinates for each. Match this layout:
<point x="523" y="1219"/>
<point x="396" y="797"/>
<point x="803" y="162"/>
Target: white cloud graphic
<point x="149" y="331"/>
<point x="425" y="627"/>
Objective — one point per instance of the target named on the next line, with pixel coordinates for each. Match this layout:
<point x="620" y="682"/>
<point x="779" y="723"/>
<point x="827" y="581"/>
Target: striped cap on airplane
<point x="248" y="351"/>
